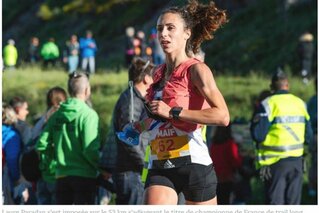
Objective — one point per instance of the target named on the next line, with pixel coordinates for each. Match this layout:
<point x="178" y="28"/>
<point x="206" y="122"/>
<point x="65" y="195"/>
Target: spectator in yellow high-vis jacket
<point x="10" y="55"/>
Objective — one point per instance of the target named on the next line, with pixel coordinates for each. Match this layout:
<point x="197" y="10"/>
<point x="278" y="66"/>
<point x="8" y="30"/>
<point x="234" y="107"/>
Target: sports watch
<point x="174" y="112"/>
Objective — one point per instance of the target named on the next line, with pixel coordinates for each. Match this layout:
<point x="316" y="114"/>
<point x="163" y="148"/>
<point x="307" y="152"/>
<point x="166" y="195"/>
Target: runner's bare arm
<point x="203" y="80"/>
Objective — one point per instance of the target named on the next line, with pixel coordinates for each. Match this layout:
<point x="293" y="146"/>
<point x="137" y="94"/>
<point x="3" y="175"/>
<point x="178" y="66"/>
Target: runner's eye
<point x="159" y="28"/>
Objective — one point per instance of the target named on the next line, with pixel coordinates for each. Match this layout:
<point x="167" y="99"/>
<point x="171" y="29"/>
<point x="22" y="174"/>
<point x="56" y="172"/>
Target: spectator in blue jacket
<point x="14" y="187"/>
<point x="11" y="144"/>
<point x="88" y="49"/>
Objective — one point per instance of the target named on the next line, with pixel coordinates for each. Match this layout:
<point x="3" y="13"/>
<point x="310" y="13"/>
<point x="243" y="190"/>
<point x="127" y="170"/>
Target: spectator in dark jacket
<point x="280" y="127"/>
<point x="312" y="107"/>
<point x="306" y="50"/>
<point x="34" y="55"/>
<point x="130" y="159"/>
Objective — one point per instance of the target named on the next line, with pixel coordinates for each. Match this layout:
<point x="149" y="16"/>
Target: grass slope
<point x="32" y="83"/>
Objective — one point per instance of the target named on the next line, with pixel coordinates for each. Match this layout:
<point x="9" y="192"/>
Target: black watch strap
<point x="175" y="111"/>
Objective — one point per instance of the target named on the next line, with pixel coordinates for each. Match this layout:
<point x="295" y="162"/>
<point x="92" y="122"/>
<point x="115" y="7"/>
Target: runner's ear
<point x="187" y="34"/>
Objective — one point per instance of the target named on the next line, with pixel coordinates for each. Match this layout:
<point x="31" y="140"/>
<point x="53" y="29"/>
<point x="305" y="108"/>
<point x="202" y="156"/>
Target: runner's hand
<point x="160" y="108"/>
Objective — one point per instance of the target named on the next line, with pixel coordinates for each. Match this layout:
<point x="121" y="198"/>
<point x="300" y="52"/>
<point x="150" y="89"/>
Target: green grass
<point x="32" y="84"/>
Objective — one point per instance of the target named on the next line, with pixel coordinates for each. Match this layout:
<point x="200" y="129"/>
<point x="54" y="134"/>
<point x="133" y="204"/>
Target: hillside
<point x="263" y="36"/>
<point x="259" y="36"/>
<point x="61" y="18"/>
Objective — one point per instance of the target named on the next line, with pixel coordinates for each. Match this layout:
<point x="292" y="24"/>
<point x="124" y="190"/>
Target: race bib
<point x="168" y="148"/>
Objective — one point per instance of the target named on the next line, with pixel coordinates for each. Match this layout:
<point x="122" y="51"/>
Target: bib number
<point x="167" y="148"/>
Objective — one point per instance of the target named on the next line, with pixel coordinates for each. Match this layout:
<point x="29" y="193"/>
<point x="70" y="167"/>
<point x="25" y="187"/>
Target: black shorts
<point x="197" y="182"/>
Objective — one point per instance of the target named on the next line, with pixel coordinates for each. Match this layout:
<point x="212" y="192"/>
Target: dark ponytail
<point x="206" y="19"/>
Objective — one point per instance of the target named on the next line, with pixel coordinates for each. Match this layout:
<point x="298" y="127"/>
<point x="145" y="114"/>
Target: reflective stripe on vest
<point x="265" y="158"/>
<point x="289" y="119"/>
<point x="282" y="148"/>
<point x="287" y="115"/>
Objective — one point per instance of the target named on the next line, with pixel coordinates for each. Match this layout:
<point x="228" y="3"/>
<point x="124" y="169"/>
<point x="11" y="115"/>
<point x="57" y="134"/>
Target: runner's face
<point x="172" y="34"/>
